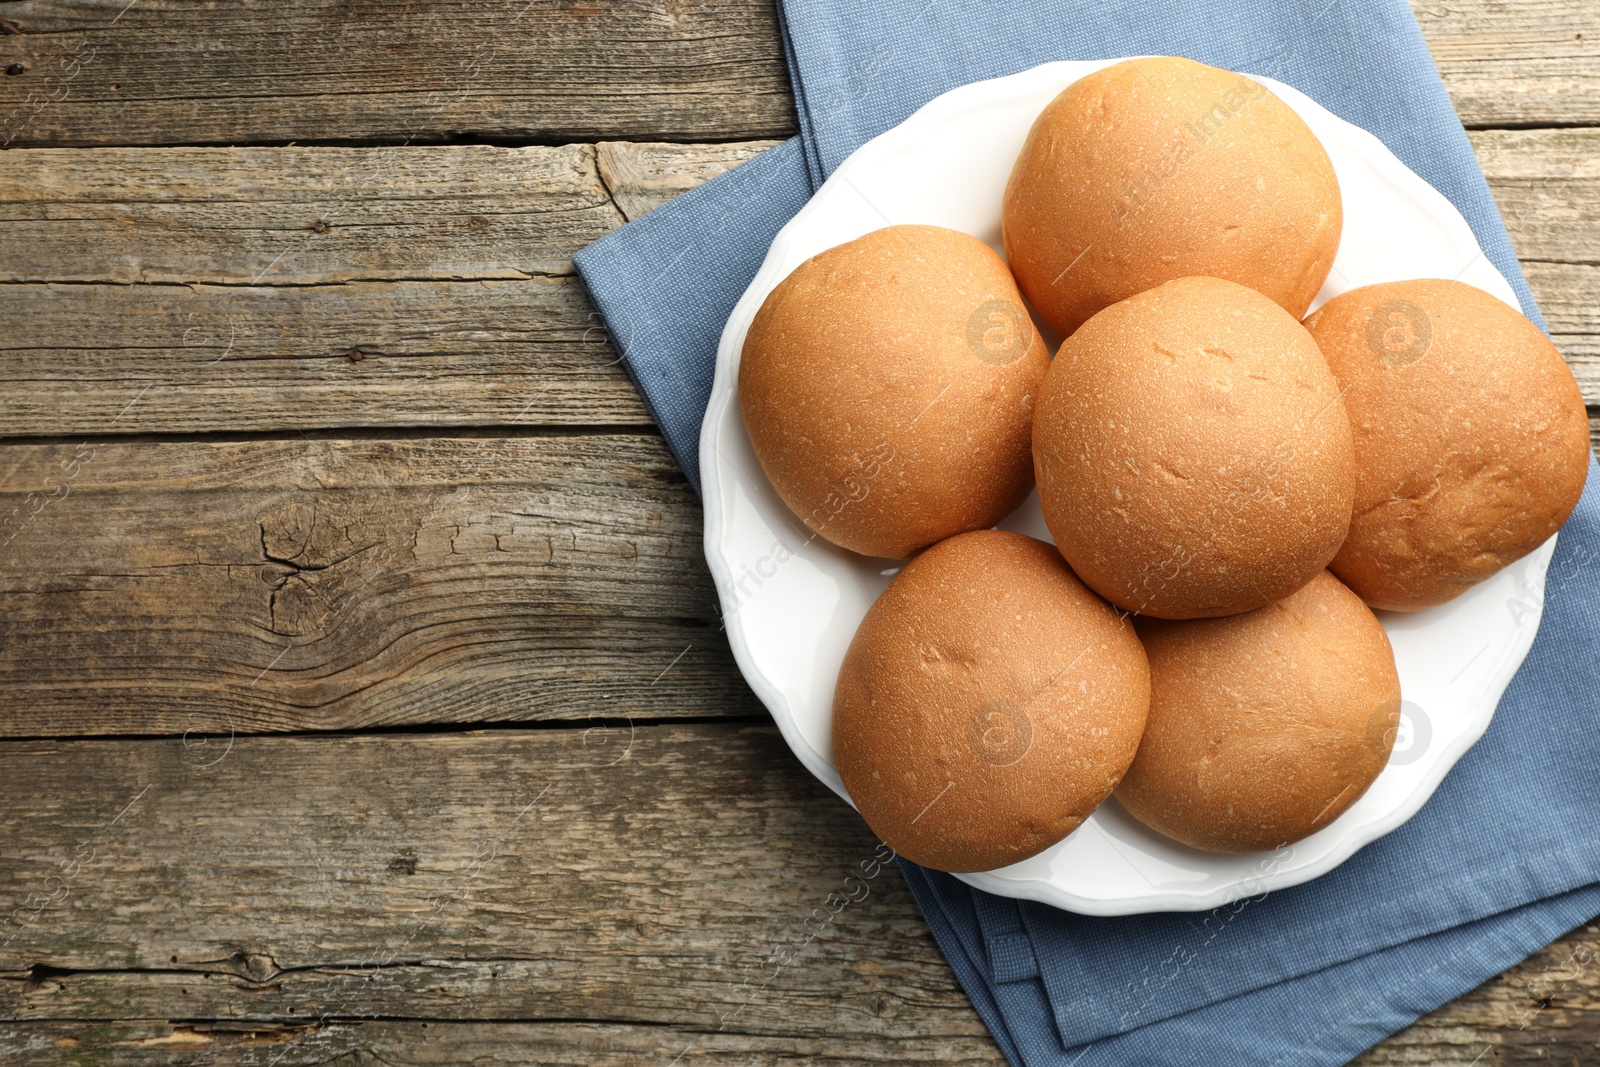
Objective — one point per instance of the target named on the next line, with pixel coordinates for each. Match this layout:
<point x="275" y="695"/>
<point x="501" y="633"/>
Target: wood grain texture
<point x="298" y="216"/>
<point x="642" y="177"/>
<point x="317" y="584"/>
<point x="242" y="295"/>
<point x="356" y="1043"/>
<point x="283" y="288"/>
<point x="1544" y="1011"/>
<point x="260" y="322"/>
<point x="293" y="216"/>
<point x="103" y="72"/>
<point x="1483" y="47"/>
<point x="687" y="876"/>
<point x="1547" y="184"/>
<point x="674" y="887"/>
<point x="99" y="359"/>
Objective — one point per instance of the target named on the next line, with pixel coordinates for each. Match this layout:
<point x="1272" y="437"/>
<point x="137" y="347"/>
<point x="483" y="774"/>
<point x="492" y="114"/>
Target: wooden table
<point x="361" y="685"/>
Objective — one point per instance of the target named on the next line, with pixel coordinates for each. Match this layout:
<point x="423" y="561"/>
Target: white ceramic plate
<point x="791" y="605"/>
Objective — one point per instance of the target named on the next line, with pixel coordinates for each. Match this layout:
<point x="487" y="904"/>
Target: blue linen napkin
<point x="1324" y="1018"/>
<point x="1505" y="857"/>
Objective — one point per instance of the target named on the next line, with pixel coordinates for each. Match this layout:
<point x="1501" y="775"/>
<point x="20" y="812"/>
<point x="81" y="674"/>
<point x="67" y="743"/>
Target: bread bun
<point x="888" y="387"/>
<point x="1192" y="453"/>
<point x="1264" y="727"/>
<point x="1472" y="444"/>
<point x="1155" y="169"/>
<point x="988" y="703"/>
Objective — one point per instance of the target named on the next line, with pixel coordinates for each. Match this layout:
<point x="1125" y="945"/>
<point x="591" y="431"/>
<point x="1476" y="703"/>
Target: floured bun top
<point x="1192" y="452"/>
<point x="1162" y="168"/>
<point x="987" y="705"/>
<point x="888" y="387"/>
<point x="1264" y="727"/>
<point x="1472" y="444"/>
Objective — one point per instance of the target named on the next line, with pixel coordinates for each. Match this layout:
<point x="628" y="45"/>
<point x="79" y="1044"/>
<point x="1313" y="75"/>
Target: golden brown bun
<point x="1263" y="727"/>
<point x="888" y="387"/>
<point x="1155" y="169"/>
<point x="1192" y="453"/>
<point x="988" y="703"/>
<point x="1472" y="444"/>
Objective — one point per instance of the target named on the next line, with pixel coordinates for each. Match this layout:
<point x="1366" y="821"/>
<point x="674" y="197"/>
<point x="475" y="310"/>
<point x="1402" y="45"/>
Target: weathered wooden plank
<point x="1545" y="1010"/>
<point x="98" y="359"/>
<point x="104" y="72"/>
<point x="692" y="876"/>
<point x="217" y="586"/>
<point x="348" y="352"/>
<point x="298" y="216"/>
<point x="1559" y="1035"/>
<point x="1528" y="63"/>
<point x="1569" y="295"/>
<point x="644" y="176"/>
<point x="262" y="319"/>
<point x="401" y="71"/>
<point x="447" y="1044"/>
<point x="1547" y="183"/>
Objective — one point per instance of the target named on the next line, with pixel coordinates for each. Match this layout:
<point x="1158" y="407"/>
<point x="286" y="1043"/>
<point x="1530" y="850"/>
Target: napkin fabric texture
<point x="1505" y="856"/>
